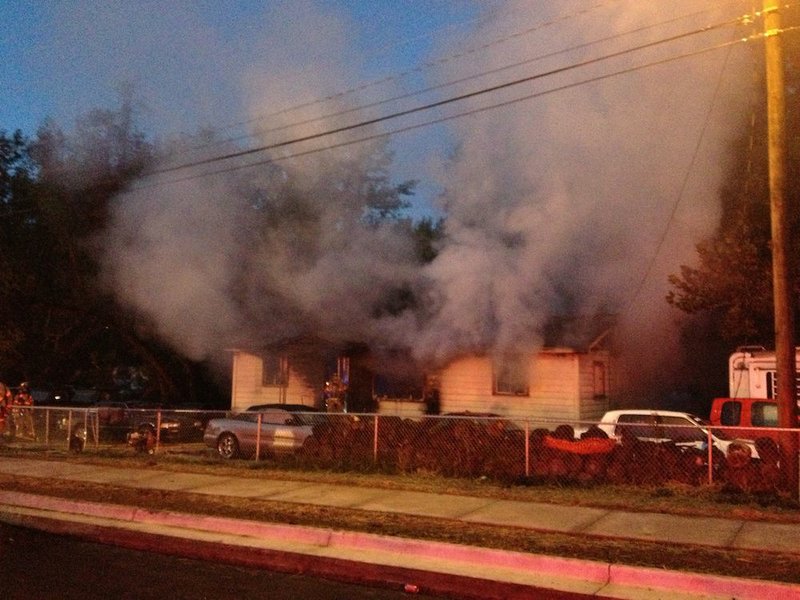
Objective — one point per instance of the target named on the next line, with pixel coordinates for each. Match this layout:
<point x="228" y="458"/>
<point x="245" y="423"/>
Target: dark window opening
<point x="274" y="370"/>
<point x="511" y="375"/>
<point x="599" y="379"/>
<point x="641" y="426"/>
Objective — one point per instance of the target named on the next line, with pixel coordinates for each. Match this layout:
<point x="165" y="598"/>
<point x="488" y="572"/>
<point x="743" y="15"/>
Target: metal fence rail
<point x="453" y="446"/>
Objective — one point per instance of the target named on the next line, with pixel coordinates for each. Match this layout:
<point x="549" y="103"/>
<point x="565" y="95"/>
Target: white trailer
<point x="751" y="372"/>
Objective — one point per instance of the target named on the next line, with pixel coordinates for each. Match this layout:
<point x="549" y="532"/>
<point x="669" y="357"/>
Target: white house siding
<point x="561" y="388"/>
<point x="466" y="385"/>
<point x="555" y="387"/>
<point x="593" y="403"/>
<point x="247" y="389"/>
<point x="407" y="409"/>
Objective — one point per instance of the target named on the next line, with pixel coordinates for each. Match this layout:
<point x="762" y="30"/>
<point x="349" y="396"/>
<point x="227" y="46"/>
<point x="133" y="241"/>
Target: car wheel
<point x="228" y="446"/>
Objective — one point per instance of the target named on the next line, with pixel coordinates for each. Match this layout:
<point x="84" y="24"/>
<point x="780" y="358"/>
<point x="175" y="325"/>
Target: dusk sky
<point x="191" y="62"/>
<point x="64" y="57"/>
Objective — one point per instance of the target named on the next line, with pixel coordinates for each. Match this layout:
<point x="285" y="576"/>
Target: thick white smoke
<point x="584" y="200"/>
<point x="570" y="203"/>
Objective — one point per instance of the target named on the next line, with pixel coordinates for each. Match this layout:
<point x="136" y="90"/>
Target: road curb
<point x="345" y="555"/>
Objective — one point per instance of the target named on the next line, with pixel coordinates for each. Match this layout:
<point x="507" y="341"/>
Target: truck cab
<point x="746" y="413"/>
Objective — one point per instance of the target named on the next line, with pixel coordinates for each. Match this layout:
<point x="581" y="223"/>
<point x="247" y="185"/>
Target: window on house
<point x="274" y="370"/>
<point x="511" y="375"/>
<point x="599" y="379"/>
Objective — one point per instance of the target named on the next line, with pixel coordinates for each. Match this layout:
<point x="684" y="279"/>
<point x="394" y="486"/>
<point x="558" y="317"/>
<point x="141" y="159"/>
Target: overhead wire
<point x="440" y="103"/>
<point x="690" y="168"/>
<point x="683" y="186"/>
<point x="453" y="82"/>
<point x="403" y="74"/>
<point x="443" y="119"/>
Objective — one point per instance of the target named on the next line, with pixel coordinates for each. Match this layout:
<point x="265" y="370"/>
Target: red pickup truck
<point x="747" y="413"/>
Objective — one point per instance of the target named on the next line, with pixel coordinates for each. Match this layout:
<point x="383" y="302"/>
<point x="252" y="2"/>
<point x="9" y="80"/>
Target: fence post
<point x="69" y="427"/>
<point x="47" y="428"/>
<point x="95" y="427"/>
<point x="710" y="443"/>
<point x="375" y="442"/>
<point x="158" y="429"/>
<point x="258" y="436"/>
<point x="86" y="429"/>
<point x="527" y="448"/>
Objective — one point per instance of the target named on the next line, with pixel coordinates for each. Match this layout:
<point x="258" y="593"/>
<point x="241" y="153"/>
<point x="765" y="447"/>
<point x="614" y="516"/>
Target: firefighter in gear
<point x="23" y="414"/>
<point x="334" y="395"/>
<point x="5" y="407"/>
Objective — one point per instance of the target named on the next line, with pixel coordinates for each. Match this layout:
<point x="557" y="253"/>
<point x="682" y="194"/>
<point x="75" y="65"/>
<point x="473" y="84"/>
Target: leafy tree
<point x="63" y="326"/>
<point x="59" y="324"/>
<point x="428" y="235"/>
<point x="17" y="173"/>
<point x="732" y="284"/>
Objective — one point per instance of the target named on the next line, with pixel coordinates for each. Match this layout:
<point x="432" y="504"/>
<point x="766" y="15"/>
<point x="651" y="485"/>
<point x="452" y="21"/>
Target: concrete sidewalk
<point x="466" y="572"/>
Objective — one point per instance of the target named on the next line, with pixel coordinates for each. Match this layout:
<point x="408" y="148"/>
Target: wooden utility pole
<point x="785" y="365"/>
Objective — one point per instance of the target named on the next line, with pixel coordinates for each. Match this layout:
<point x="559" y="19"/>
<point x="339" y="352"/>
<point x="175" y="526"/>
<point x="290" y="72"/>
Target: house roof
<point x="578" y="333"/>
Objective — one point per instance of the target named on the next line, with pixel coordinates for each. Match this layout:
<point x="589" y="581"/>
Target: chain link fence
<point x="468" y="446"/>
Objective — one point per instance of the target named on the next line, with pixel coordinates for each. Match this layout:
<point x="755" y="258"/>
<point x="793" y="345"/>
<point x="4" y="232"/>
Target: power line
<point x="401" y="75"/>
<point x="684" y="184"/>
<point x="514" y="65"/>
<point x="443" y="102"/>
<point x="440" y="120"/>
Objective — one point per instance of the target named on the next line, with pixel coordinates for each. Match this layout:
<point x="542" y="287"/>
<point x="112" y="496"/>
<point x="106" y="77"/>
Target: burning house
<point x="566" y="383"/>
<point x="560" y="205"/>
<point x="309" y="371"/>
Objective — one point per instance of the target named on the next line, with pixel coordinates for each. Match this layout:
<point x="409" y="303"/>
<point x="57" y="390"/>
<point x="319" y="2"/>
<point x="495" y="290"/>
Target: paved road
<point x="40" y="566"/>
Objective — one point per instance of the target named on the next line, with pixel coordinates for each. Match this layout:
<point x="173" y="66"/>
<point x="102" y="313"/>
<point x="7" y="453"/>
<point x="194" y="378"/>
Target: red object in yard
<point x="584" y="446"/>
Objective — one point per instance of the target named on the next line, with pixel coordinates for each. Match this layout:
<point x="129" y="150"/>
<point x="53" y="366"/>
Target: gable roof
<point x="579" y="333"/>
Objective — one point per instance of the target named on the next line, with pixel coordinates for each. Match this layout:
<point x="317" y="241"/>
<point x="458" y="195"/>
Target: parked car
<point x="120" y="418"/>
<point x="301" y="408"/>
<point x="684" y="429"/>
<point x="282" y="431"/>
<point x="68" y="396"/>
<point x="313" y="416"/>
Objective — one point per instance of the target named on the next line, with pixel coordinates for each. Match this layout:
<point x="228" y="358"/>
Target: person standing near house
<point x="334" y="395"/>
<point x="23" y="417"/>
<point x="5" y="407"/>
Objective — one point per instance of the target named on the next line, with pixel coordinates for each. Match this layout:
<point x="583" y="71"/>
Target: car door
<point x="274" y="434"/>
<point x="286" y="430"/>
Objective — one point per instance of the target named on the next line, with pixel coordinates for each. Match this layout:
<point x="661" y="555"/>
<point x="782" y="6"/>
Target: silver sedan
<point x="281" y="432"/>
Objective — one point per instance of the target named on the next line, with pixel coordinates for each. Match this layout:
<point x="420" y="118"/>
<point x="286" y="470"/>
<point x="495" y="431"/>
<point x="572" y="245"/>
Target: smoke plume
<point x="572" y="202"/>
